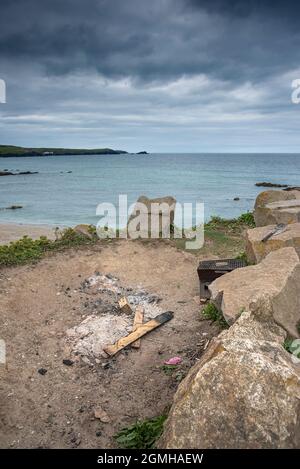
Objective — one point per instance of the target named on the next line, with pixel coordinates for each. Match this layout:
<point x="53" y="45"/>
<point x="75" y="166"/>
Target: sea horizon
<point x="67" y="189"/>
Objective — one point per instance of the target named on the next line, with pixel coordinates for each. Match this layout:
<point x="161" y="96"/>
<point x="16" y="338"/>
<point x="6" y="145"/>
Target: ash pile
<point x="110" y="316"/>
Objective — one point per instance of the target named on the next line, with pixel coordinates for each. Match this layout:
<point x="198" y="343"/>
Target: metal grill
<point x="209" y="270"/>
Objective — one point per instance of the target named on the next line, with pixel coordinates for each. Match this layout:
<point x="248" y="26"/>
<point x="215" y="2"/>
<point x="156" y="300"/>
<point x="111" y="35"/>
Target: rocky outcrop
<point x="243" y="393"/>
<point x="273" y="207"/>
<point x="84" y="230"/>
<point x="143" y="220"/>
<point x="270" y="184"/>
<point x="22" y="173"/>
<point x="277" y="276"/>
<point x="257" y="250"/>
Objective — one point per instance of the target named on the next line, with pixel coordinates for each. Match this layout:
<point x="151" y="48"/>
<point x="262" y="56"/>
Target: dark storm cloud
<point x="156" y="73"/>
<point x="157" y="39"/>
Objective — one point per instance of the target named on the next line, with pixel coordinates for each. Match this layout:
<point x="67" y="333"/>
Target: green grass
<point x="287" y="344"/>
<point x="142" y="434"/>
<point x="243" y="257"/>
<point x="27" y="250"/>
<point x="232" y="224"/>
<point x="247" y="218"/>
<point x="211" y="312"/>
<point x="223" y="237"/>
<point x="169" y="369"/>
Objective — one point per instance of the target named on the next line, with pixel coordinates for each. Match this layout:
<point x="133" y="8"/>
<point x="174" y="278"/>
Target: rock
<point x="22" y="173"/>
<point x="140" y="218"/>
<point x="285" y="211"/>
<point x="68" y="362"/>
<point x="101" y="415"/>
<point x="292" y="188"/>
<point x="236" y="198"/>
<point x="14" y="207"/>
<point x="267" y="211"/>
<point x="243" y="393"/>
<point x="277" y="276"/>
<point x="42" y="371"/>
<point x="257" y="250"/>
<point x="84" y="230"/>
<point x="270" y="184"/>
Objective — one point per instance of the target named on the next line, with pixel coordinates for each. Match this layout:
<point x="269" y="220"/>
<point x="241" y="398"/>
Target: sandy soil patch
<point x="40" y="303"/>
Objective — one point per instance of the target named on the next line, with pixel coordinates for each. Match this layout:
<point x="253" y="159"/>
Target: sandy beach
<point x="13" y="231"/>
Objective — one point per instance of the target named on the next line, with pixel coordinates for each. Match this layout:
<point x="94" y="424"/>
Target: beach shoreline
<point x="10" y="231"/>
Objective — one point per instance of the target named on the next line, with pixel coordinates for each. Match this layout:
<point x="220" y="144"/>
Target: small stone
<point x="98" y="433"/>
<point x="42" y="371"/>
<point x="68" y="362"/>
<point x="106" y="365"/>
<point x="101" y="415"/>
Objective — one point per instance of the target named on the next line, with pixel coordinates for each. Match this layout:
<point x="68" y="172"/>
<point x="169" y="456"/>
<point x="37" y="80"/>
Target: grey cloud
<point x="194" y="70"/>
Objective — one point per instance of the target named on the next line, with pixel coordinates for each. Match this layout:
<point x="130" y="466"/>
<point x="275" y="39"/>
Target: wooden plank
<point x="125" y="306"/>
<point x="138" y="321"/>
<point x="139" y="332"/>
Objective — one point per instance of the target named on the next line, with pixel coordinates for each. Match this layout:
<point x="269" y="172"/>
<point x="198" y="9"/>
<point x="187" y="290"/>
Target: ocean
<point x="56" y="196"/>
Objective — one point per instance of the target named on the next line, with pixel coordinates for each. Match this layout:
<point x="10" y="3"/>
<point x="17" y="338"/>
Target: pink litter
<point x="173" y="361"/>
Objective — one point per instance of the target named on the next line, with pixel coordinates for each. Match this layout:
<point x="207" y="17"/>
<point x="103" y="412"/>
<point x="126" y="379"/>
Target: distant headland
<point x="11" y="150"/>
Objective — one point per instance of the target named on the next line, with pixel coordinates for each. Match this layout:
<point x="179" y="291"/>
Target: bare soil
<point x="39" y="303"/>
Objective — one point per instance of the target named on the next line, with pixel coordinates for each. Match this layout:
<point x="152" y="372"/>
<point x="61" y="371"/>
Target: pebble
<point x="68" y="362"/>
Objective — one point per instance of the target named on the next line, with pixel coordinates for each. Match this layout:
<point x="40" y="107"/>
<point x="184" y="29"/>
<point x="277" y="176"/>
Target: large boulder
<point x="243" y="393"/>
<point x="272" y="207"/>
<point x="152" y="217"/>
<point x="256" y="249"/>
<point x="277" y="276"/>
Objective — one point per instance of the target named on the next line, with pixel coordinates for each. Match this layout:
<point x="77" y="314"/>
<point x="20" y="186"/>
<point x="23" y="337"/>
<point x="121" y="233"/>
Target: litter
<point x="280" y="228"/>
<point x="173" y="361"/>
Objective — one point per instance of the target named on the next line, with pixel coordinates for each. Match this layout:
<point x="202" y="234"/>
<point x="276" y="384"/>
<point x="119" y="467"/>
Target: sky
<point x="159" y="75"/>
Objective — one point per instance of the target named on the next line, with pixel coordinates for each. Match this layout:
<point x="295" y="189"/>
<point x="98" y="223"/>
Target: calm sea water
<point x="57" y="197"/>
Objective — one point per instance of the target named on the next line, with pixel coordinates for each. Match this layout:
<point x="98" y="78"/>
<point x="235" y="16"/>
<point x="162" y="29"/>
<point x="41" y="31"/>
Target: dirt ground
<point x="38" y="303"/>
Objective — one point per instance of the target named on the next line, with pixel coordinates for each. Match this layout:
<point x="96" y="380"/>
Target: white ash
<point x="96" y="331"/>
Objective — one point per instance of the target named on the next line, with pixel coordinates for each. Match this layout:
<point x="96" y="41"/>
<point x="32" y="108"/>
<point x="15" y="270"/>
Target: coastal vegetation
<point x="211" y="312"/>
<point x="27" y="250"/>
<point x="222" y="238"/>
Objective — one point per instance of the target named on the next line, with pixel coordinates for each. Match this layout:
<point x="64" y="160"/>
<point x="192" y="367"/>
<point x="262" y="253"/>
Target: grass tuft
<point x="211" y="312"/>
<point x="287" y="344"/>
<point x="141" y="435"/>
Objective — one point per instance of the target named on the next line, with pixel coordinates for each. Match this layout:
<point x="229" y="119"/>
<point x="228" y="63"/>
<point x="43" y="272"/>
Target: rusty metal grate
<point x="222" y="264"/>
<point x="209" y="270"/>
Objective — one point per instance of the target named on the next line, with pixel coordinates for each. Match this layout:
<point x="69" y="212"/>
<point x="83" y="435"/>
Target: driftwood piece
<point x="125" y="306"/>
<point x="138" y="321"/>
<point x="139" y="332"/>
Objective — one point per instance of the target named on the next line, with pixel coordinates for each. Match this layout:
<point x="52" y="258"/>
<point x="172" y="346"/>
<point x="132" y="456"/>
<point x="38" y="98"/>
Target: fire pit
<point x="209" y="270"/>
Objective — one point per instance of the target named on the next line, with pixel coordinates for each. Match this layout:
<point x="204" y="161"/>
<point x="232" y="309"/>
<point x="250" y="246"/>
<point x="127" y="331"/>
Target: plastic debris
<point x="173" y="361"/>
